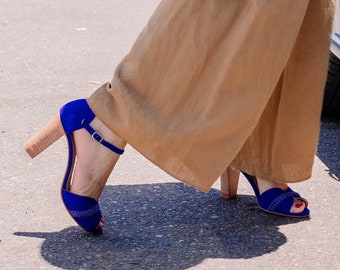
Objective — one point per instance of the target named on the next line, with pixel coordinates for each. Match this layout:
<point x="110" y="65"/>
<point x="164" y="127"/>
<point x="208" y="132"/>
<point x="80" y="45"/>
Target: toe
<point x="298" y="206"/>
<point x="101" y="223"/>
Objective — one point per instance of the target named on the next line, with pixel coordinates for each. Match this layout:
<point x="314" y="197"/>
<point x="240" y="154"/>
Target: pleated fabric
<point x="211" y="84"/>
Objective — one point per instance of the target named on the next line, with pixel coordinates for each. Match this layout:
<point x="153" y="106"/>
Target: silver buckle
<point x="99" y="138"/>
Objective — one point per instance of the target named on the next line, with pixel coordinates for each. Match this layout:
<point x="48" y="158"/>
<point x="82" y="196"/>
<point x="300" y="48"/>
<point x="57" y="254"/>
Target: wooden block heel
<point x="51" y="132"/>
<point x="229" y="182"/>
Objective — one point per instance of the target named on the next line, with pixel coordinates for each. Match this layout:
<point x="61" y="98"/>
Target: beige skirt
<point x="209" y="84"/>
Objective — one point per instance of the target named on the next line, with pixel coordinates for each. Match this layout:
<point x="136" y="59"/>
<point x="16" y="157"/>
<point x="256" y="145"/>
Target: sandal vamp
<point x="84" y="210"/>
<point x="280" y="201"/>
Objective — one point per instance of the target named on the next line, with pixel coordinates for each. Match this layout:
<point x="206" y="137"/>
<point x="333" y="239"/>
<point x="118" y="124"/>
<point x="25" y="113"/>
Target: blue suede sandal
<point x="277" y="201"/>
<point x="73" y="116"/>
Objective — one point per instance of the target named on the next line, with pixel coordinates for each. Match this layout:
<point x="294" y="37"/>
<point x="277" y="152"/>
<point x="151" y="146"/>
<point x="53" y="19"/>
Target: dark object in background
<point x="331" y="102"/>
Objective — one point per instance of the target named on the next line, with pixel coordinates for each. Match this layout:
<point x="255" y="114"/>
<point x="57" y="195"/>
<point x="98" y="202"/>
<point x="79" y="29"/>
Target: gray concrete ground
<point x="55" y="51"/>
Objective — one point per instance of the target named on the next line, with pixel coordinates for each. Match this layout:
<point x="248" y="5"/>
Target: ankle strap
<point x="99" y="138"/>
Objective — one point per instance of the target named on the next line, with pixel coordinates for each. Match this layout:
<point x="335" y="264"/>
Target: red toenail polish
<point x="298" y="205"/>
<point x="102" y="220"/>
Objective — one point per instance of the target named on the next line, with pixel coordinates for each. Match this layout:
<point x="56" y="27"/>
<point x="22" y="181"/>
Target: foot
<point x="94" y="162"/>
<point x="263" y="185"/>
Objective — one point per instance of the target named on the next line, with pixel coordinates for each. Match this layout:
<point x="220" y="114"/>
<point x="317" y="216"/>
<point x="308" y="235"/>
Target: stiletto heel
<point x="73" y="116"/>
<point x="50" y="133"/>
<point x="274" y="201"/>
<point x="229" y="182"/>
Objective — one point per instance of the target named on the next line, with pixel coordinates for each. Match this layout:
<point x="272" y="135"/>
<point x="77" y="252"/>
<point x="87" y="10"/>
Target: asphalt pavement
<point x="55" y="51"/>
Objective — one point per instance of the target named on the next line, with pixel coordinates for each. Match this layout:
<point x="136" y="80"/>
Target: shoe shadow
<point x="165" y="226"/>
<point x="329" y="147"/>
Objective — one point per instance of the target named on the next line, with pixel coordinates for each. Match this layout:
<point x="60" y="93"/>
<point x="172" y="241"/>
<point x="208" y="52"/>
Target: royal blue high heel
<point x="73" y="116"/>
<point x="274" y="201"/>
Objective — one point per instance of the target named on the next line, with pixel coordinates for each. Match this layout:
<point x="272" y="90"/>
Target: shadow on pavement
<point x="329" y="147"/>
<point x="165" y="226"/>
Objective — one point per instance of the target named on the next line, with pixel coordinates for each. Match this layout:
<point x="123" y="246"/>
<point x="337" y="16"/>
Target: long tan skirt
<point x="209" y="84"/>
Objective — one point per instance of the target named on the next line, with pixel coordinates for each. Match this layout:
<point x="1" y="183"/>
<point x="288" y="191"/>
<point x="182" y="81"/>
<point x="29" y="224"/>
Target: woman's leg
<point x="138" y="104"/>
<point x="197" y="80"/>
<point x="94" y="161"/>
<point x="282" y="146"/>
